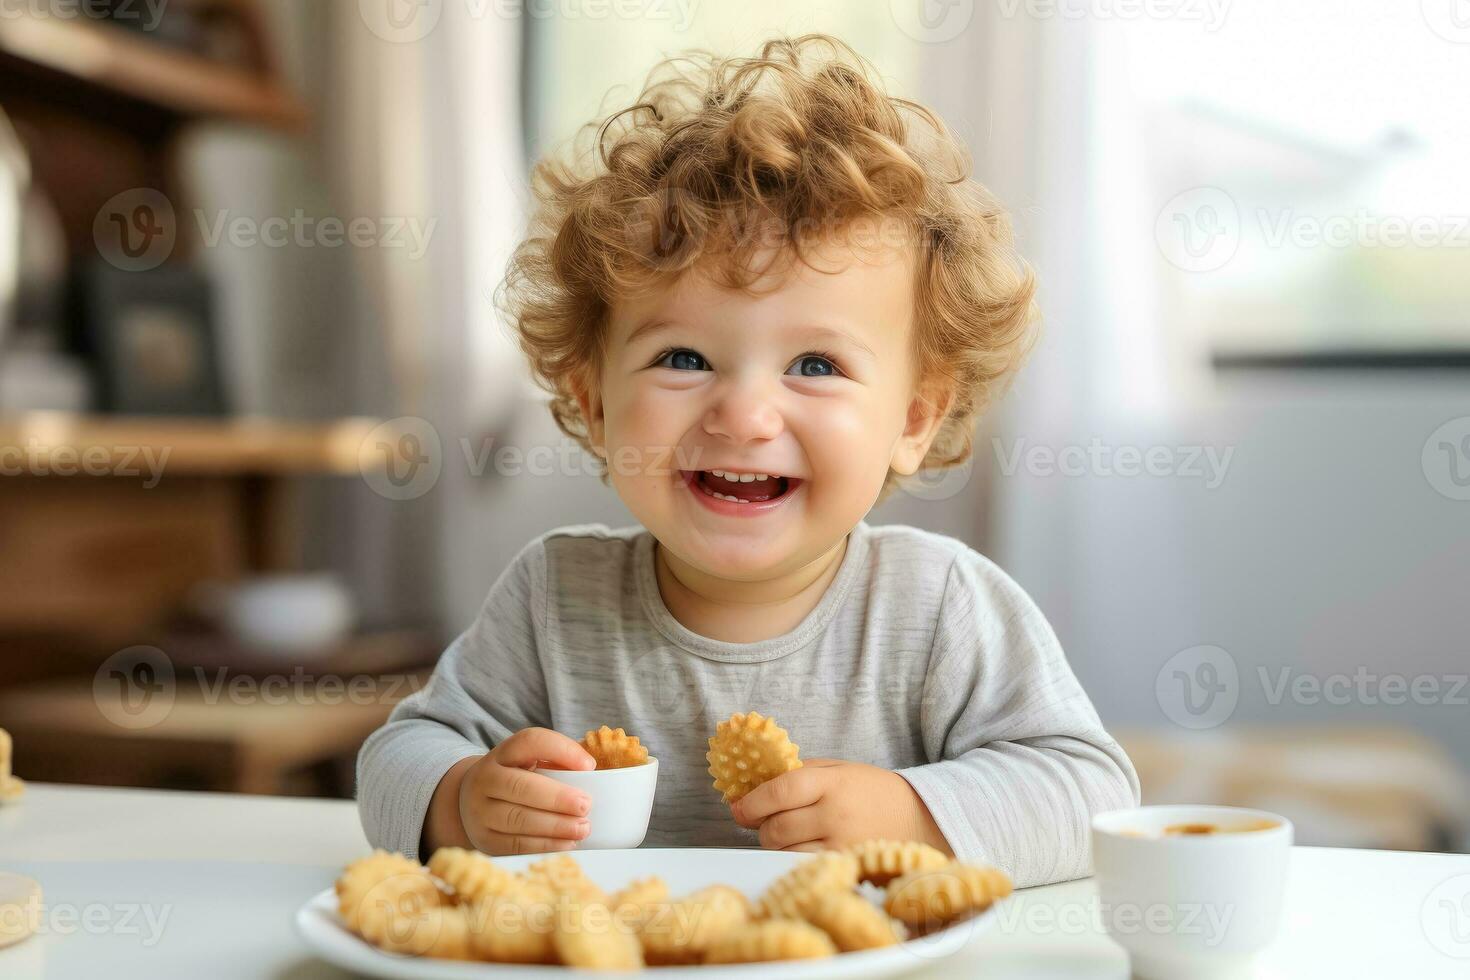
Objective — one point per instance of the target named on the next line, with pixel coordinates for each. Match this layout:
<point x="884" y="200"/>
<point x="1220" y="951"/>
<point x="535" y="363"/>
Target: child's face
<point x="741" y="390"/>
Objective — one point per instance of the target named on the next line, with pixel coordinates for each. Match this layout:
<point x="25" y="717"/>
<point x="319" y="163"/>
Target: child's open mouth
<point x="728" y="492"/>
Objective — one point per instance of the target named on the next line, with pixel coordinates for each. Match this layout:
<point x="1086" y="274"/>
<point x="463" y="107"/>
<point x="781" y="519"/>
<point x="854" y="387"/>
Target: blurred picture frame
<point x="149" y="339"/>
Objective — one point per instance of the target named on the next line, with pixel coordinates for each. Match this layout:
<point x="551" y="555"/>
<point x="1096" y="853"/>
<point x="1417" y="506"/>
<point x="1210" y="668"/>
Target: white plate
<point x="686" y="870"/>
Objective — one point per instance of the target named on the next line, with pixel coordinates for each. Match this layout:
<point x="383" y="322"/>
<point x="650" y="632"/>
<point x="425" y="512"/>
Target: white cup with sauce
<point x="1191" y="891"/>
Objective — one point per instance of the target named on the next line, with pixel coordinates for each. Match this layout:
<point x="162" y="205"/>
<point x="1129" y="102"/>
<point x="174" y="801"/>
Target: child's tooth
<point x="762" y="476"/>
<point x="747" y="477"/>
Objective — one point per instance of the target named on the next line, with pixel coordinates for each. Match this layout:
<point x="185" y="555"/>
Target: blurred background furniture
<point x="96" y="563"/>
<point x="1368" y="786"/>
<point x="110" y="524"/>
<point x="235" y="724"/>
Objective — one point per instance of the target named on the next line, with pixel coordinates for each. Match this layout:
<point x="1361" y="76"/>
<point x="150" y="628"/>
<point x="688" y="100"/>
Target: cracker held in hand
<point x="747" y="750"/>
<point x="614" y="748"/>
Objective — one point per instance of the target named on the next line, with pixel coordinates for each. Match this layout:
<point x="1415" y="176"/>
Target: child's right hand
<point x="507" y="809"/>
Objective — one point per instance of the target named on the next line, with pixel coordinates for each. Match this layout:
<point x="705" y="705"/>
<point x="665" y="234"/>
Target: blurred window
<point x="583" y="67"/>
<point x="1305" y="169"/>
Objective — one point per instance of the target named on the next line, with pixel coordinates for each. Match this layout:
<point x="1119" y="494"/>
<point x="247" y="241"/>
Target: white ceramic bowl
<point x="622" y="801"/>
<point x="290" y="614"/>
<point x="1196" y="906"/>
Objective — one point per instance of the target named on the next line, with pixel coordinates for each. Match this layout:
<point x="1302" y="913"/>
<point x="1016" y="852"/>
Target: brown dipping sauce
<point x="1200" y="829"/>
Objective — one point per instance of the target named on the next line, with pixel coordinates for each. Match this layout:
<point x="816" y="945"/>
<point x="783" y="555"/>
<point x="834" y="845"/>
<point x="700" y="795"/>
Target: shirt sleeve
<point x="488" y="685"/>
<point x="1020" y="760"/>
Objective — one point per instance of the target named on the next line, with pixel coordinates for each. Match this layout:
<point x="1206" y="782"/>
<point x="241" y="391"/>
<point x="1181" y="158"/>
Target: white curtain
<point x="1035" y="101"/>
<point x="429" y="128"/>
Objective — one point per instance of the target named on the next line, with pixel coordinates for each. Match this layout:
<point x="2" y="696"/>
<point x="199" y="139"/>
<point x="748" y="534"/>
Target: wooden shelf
<point x="105" y="57"/>
<point x="371" y="652"/>
<point x="57" y="443"/>
<point x="67" y="730"/>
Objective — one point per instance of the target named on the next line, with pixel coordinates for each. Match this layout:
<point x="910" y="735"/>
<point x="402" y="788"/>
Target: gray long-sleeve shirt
<point x="922" y="657"/>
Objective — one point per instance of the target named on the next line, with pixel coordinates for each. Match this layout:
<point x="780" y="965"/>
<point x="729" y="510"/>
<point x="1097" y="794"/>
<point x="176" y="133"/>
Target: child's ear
<point x="927" y="411"/>
<point x="589" y="399"/>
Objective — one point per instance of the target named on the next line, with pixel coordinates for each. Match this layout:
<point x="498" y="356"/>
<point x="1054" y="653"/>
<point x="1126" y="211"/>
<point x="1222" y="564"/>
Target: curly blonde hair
<point x="800" y="137"/>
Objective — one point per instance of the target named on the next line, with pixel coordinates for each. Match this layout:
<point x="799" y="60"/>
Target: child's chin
<point x="735" y="553"/>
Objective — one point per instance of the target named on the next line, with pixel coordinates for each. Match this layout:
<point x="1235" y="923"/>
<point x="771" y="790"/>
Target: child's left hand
<point x="830" y="804"/>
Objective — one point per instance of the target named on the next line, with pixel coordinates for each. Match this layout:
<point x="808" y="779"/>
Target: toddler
<point x="768" y="294"/>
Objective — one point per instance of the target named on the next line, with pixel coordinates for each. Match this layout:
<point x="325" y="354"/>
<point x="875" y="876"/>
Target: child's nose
<point x="744" y="411"/>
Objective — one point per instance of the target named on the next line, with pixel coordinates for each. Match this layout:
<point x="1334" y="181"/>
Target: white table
<point x="222" y="876"/>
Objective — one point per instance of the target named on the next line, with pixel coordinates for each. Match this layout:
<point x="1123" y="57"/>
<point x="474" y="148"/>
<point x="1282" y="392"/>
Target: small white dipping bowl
<point x="1192" y="906"/>
<point x="622" y="801"/>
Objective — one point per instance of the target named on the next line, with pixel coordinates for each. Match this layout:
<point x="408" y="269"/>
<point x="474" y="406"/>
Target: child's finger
<point x="532" y="746"/>
<point x="524" y="821"/>
<point x="797" y="788"/>
<point x="791" y="827"/>
<point x="533" y="790"/>
<point x="494" y="843"/>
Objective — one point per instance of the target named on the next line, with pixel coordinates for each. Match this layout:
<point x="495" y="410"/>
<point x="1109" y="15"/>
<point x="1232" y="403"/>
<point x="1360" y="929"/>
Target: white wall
<point x="1325" y="549"/>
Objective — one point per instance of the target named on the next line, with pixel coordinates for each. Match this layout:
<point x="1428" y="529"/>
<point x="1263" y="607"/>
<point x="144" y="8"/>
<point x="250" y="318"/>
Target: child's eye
<point x="815" y="365"/>
<point x="683" y="359"/>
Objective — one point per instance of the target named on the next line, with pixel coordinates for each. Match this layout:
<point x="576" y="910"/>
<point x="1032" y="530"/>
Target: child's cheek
<point x="846" y="440"/>
<point x="646" y="424"/>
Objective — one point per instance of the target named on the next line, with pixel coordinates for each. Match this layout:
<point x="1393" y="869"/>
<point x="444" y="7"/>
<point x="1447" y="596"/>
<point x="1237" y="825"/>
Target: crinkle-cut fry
<point x="514" y="928"/>
<point x="644" y="891"/>
<point x="398" y="919"/>
<point x="614" y="748"/>
<point x="381" y="879"/>
<point x="826" y="871"/>
<point x="928" y="900"/>
<point x="746" y="750"/>
<point x="771" y="940"/>
<point x="472" y="875"/>
<point x="448" y="932"/>
<point x="682" y="932"/>
<point x="853" y="922"/>
<point x="564" y="876"/>
<point x="588" y="937"/>
<point x="880" y="861"/>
